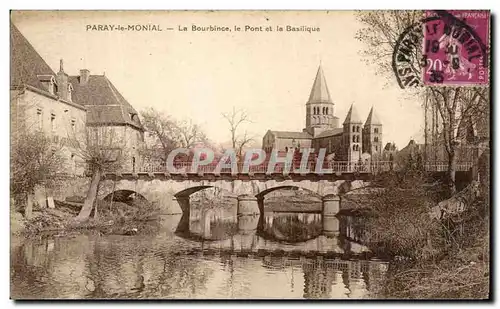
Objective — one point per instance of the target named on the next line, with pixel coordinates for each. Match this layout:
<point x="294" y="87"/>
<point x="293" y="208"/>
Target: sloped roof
<point x="319" y="91"/>
<point x="331" y="132"/>
<point x="25" y="63"/>
<point x="352" y="116"/>
<point x="105" y="104"/>
<point x="372" y="118"/>
<point x="290" y="134"/>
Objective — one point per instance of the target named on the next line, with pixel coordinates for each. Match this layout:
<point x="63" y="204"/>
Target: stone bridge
<point x="173" y="193"/>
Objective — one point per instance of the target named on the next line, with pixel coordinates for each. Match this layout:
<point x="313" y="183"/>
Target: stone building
<point x="322" y="130"/>
<point x="43" y="101"/>
<point x="70" y="109"/>
<point x="109" y="115"/>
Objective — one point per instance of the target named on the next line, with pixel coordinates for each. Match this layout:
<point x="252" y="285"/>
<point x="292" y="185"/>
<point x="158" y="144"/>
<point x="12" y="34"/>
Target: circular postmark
<point x="442" y="49"/>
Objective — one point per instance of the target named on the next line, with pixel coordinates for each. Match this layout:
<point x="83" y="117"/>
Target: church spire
<point x="319" y="91"/>
<point x="372" y="119"/>
<point x="352" y="116"/>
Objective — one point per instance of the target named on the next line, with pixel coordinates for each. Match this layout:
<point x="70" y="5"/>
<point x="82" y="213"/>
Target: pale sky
<point x="199" y="75"/>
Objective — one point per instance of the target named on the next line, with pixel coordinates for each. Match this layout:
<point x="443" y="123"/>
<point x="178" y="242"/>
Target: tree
<point x="167" y="133"/>
<point x="235" y="119"/>
<point x="35" y="160"/>
<point x="456" y="106"/>
<point x="103" y="150"/>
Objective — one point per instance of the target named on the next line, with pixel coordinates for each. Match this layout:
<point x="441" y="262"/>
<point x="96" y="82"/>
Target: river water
<point x="211" y="254"/>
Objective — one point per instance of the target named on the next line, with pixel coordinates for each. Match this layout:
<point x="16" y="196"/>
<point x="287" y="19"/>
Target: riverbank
<point x="111" y="218"/>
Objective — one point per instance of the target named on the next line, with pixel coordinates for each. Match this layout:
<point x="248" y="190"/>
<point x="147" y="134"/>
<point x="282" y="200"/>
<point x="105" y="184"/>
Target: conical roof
<point x="372" y="119"/>
<point x="319" y="91"/>
<point x="352" y="116"/>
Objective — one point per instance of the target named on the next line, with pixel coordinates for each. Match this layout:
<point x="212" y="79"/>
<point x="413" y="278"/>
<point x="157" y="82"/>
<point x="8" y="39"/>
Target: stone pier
<point x="248" y="206"/>
<point x="183" y="202"/>
<point x="331" y="207"/>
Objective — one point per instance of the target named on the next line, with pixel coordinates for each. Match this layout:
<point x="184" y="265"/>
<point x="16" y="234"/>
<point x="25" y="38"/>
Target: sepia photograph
<point x="181" y="155"/>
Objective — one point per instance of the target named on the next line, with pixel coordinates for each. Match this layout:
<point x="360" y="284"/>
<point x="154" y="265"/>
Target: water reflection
<point x="218" y="255"/>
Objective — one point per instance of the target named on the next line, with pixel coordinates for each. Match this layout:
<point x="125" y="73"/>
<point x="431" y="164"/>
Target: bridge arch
<point x="263" y="193"/>
<point x="123" y="195"/>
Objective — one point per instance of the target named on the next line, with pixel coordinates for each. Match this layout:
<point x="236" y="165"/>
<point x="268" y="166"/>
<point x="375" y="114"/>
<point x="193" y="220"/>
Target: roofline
<point x="339" y="133"/>
<point x="47" y="94"/>
<point x="119" y="124"/>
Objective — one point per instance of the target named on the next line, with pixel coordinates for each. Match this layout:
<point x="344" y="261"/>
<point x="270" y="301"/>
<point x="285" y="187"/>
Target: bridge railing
<point x="297" y="167"/>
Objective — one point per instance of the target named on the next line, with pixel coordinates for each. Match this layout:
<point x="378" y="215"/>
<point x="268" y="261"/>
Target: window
<point x="375" y="130"/>
<point x="354" y="138"/>
<point x="70" y="89"/>
<point x="327" y="110"/>
<point x="353" y="128"/>
<point x="353" y="147"/>
<point x="39" y="115"/>
<point x="53" y="121"/>
<point x="357" y="138"/>
<point x="375" y="139"/>
<point x="357" y="128"/>
<point x="376" y="148"/>
<point x="52" y="86"/>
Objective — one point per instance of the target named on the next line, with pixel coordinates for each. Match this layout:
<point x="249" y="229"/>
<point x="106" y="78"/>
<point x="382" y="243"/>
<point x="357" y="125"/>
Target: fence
<point x="295" y="168"/>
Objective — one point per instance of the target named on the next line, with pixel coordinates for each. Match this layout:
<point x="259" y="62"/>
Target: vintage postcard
<point x="250" y="154"/>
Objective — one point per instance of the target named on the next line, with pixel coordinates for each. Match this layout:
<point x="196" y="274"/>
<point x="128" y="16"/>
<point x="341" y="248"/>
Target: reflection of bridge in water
<point x="295" y="234"/>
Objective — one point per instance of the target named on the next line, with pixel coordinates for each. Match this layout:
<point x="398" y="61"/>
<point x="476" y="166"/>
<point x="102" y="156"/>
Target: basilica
<point x="350" y="142"/>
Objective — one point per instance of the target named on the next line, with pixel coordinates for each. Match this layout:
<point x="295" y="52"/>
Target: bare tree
<point x="235" y="119"/>
<point x="35" y="160"/>
<point x="459" y="109"/>
<point x="103" y="150"/>
<point x="167" y="134"/>
<point x="242" y="142"/>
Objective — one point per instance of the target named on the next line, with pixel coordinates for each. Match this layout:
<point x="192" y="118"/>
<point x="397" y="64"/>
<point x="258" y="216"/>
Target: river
<point x="211" y="254"/>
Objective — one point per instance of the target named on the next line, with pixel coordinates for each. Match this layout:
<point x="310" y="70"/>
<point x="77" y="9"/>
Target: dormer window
<point x="70" y="90"/>
<point x="49" y="82"/>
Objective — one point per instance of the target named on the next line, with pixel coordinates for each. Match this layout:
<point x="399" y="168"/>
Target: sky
<point x="200" y="75"/>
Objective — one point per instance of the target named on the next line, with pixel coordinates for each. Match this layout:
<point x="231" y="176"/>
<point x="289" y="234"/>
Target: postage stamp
<point x="454" y="47"/>
<point x="444" y="48"/>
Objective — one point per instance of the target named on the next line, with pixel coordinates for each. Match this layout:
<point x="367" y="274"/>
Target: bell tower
<point x="372" y="135"/>
<point x="352" y="136"/>
<point x="319" y="107"/>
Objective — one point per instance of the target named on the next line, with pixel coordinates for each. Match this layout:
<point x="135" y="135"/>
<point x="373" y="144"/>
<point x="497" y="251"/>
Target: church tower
<point x="352" y="136"/>
<point x="372" y="135"/>
<point x="319" y="107"/>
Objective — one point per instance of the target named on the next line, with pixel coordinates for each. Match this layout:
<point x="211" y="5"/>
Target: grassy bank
<point x="110" y="218"/>
<point x="436" y="258"/>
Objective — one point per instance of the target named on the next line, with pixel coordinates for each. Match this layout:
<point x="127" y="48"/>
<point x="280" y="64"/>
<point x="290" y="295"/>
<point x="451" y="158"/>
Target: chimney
<point x="62" y="82"/>
<point x="84" y="76"/>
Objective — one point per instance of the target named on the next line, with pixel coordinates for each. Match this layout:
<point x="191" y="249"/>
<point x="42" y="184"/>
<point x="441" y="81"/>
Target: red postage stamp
<point x="455" y="48"/>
